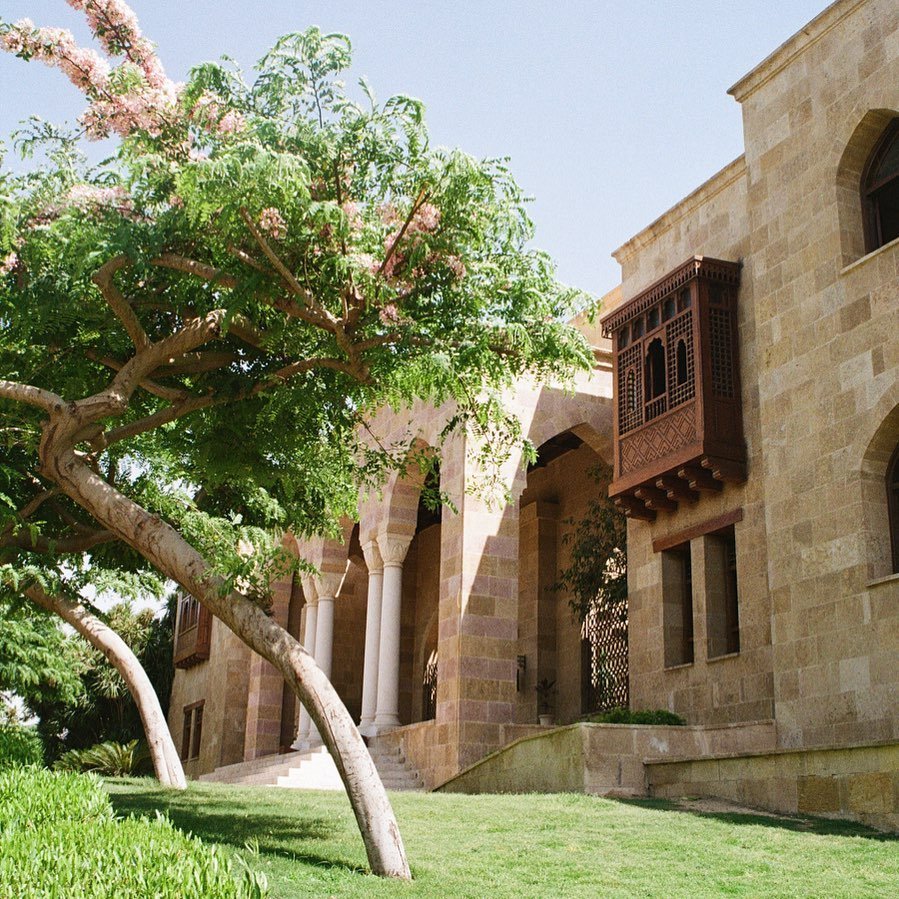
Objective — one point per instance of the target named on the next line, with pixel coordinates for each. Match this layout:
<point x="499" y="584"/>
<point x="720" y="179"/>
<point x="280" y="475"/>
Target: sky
<point x="610" y="112"/>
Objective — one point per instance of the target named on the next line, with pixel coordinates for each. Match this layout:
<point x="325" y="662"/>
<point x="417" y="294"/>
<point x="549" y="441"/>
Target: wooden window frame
<point x="192" y="731"/>
<point x="870" y="206"/>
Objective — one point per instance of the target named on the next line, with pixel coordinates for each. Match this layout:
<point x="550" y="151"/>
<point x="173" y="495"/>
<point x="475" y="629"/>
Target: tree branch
<point x="103" y="278"/>
<point x="63" y="546"/>
<point x="32" y="396"/>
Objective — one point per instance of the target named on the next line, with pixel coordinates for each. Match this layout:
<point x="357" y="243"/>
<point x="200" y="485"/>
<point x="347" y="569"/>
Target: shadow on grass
<point x="797" y="823"/>
<point x="231" y="823"/>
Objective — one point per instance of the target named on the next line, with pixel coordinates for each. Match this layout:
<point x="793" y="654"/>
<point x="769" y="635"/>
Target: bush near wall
<point x="59" y="837"/>
<point x="20" y="745"/>
<point x="646" y="716"/>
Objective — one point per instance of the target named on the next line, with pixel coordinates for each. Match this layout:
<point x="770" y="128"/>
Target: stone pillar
<point x="309" y="645"/>
<point x="372" y="638"/>
<point x="393" y="551"/>
<point x="328" y="585"/>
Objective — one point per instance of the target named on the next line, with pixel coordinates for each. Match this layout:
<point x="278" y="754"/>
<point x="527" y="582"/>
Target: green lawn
<point x="528" y="846"/>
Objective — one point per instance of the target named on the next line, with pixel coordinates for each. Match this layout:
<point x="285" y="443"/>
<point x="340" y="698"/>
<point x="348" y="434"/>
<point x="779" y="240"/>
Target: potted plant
<point x="545" y="690"/>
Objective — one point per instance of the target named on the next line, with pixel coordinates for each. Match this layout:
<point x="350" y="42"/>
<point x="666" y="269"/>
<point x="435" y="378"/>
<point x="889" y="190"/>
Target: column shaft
<point x="309" y="646"/>
<point x="372" y="647"/>
<point x="387" y="714"/>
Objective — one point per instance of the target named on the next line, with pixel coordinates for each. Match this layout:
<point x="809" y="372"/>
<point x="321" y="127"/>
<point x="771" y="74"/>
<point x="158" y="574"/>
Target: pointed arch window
<point x="880" y="190"/>
<point x="893" y="502"/>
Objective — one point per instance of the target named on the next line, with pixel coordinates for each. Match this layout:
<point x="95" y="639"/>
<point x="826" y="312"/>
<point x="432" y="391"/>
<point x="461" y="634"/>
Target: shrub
<point x="107" y="759"/>
<point x="20" y="745"/>
<point x="647" y="716"/>
<point x="59" y="837"/>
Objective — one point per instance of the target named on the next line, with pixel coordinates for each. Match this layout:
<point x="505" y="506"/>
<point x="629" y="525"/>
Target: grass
<point x="568" y="845"/>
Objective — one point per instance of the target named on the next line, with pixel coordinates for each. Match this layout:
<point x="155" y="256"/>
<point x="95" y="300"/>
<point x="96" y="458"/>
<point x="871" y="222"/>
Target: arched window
<point x="655" y="370"/>
<point x="880" y="190"/>
<point x="893" y="502"/>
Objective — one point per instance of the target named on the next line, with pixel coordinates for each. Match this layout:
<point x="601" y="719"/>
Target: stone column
<point x="328" y="585"/>
<point x="309" y="645"/>
<point x="393" y="551"/>
<point x="372" y="638"/>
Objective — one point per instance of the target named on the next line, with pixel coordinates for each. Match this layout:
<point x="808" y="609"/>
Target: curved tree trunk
<point x="165" y="548"/>
<point x="166" y="762"/>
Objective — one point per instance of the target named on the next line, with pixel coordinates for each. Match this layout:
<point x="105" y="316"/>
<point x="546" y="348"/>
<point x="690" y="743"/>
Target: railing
<point x="656" y="407"/>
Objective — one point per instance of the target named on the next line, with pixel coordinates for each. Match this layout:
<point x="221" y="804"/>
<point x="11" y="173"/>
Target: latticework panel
<point x="630" y="389"/>
<point x="723" y="379"/>
<point x="653" y="442"/>
<point x="604" y="658"/>
<point x="681" y="380"/>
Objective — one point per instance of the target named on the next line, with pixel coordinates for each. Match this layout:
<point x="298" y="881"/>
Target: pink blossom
<point x="351" y="211"/>
<point x="92" y="196"/>
<point x="10" y="261"/>
<point x="176" y="202"/>
<point x="388" y="214"/>
<point x="426" y="218"/>
<point x="272" y="222"/>
<point x="231" y="122"/>
<point x="389" y="314"/>
<point x="456" y="266"/>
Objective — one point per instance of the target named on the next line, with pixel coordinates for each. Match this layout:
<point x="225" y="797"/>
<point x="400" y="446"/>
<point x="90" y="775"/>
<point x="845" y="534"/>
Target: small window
<point x="880" y="190"/>
<point x="684" y="300"/>
<point x="668" y="309"/>
<point x="677" y="608"/>
<point x="893" y="501"/>
<point x="655" y="370"/>
<point x="722" y="595"/>
<point x="637" y="327"/>
<point x="652" y="319"/>
<point x="192" y="733"/>
<point x="623" y="337"/>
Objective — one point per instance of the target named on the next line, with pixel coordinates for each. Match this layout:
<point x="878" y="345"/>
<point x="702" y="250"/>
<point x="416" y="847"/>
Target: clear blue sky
<point x="610" y="111"/>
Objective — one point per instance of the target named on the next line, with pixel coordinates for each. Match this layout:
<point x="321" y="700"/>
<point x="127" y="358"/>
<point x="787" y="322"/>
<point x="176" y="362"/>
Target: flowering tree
<point x="197" y="333"/>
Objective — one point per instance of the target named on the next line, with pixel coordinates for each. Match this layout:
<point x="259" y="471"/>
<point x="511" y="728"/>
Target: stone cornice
<point x="720" y="181"/>
<point x="792" y="48"/>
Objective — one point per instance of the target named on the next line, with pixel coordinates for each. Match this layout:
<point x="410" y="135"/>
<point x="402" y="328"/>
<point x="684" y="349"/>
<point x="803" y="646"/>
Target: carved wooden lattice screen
<point x="604" y="658"/>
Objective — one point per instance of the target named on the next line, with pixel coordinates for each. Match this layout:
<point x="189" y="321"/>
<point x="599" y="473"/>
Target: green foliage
<point x="597" y="573"/>
<point x="107" y="759"/>
<point x="20" y="745"/>
<point x="322" y="204"/>
<point x="35" y="663"/>
<point x="646" y="716"/>
<point x="59" y="837"/>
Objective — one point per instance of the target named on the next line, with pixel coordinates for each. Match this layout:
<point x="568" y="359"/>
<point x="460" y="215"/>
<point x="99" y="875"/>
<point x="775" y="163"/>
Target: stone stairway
<point x="313" y="770"/>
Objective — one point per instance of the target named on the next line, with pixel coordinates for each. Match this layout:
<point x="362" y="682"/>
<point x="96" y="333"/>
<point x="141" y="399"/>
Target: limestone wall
<point x="606" y="759"/>
<point x="861" y="784"/>
<point x="827" y="361"/>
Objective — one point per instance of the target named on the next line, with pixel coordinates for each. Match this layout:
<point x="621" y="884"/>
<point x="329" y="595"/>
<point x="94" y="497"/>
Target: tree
<point x="219" y="311"/>
<point x="102" y="710"/>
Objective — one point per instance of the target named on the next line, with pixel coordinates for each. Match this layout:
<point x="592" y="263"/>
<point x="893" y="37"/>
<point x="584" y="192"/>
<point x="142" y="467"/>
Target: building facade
<point x="747" y="398"/>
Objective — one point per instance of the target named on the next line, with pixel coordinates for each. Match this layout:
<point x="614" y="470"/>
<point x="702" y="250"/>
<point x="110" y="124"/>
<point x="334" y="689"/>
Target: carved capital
<point x="372" y="554"/>
<point x="393" y="548"/>
<point x="309" y="590"/>
<point x="328" y="583"/>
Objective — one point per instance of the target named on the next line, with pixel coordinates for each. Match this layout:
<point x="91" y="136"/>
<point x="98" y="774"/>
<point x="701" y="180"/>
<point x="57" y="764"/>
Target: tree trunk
<point x="165" y="548"/>
<point x="166" y="762"/>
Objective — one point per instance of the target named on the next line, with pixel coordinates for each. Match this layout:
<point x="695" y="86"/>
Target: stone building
<point x="748" y="398"/>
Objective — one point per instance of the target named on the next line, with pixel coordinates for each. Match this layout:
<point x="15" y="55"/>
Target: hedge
<point x="60" y="838"/>
<point x="646" y="716"/>
<point x="20" y="745"/>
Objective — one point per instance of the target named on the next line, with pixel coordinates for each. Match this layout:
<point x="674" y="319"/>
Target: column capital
<point x="310" y="593"/>
<point x="393" y="548"/>
<point x="328" y="583"/>
<point x="372" y="554"/>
